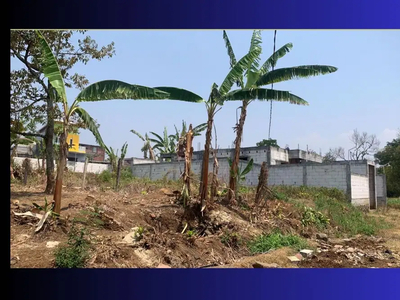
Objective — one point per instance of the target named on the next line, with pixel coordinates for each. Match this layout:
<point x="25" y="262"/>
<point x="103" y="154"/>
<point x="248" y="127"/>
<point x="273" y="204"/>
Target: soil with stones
<point x="171" y="235"/>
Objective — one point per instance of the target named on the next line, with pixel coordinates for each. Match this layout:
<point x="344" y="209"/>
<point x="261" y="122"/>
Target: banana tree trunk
<point x="233" y="177"/>
<point x="49" y="135"/>
<point x="186" y="193"/>
<point x="151" y="154"/>
<point x="60" y="171"/>
<point x="206" y="158"/>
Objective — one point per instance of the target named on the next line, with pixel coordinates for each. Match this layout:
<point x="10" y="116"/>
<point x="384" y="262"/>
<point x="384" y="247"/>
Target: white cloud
<point x="387" y="135"/>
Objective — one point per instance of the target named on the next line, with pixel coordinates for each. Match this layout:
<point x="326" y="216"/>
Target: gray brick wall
<point x="334" y="175"/>
<point x="381" y="190"/>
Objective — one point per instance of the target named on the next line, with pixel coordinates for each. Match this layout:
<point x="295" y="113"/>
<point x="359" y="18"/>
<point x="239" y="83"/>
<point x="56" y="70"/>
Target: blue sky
<point x="364" y="93"/>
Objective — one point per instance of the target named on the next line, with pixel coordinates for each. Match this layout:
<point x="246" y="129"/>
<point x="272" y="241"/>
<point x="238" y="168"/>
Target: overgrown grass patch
<point x="287" y="192"/>
<point x="348" y="218"/>
<point x="275" y="240"/>
<point x="393" y="203"/>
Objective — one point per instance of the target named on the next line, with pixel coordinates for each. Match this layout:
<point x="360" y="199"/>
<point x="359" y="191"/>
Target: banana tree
<point x="181" y="137"/>
<point x="165" y="144"/>
<point x="197" y="130"/>
<point x="120" y="160"/>
<point x="213" y="105"/>
<point x="103" y="90"/>
<point x="147" y="148"/>
<point x="251" y="81"/>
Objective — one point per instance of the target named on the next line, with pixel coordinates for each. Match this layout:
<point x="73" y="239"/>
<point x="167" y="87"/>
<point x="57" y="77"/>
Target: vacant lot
<point x="143" y="225"/>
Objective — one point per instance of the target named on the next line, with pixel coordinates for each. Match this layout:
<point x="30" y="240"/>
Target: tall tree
<point x="253" y="78"/>
<point x="103" y="90"/>
<point x="365" y="145"/>
<point x="32" y="95"/>
<point x="389" y="159"/>
<point x="222" y="93"/>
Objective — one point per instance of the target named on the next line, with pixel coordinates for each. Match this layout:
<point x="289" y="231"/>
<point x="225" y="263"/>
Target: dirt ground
<point x="163" y="243"/>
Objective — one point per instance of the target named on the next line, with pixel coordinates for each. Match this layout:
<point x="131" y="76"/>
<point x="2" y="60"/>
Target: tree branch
<point x="31" y="70"/>
<point x="28" y="106"/>
<point x="28" y="133"/>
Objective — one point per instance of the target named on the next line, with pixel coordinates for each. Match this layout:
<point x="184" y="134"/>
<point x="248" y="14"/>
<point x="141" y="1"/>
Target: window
<point x="94" y="149"/>
<point x="70" y="143"/>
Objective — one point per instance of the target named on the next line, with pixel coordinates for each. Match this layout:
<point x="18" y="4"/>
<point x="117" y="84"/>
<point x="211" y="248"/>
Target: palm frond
<point x="115" y="89"/>
<point x="285" y="74"/>
<point x="160" y="139"/>
<point x="138" y="135"/>
<point x="50" y="68"/>
<point x="199" y="128"/>
<point x="271" y="61"/>
<point x="90" y="124"/>
<point x="124" y="150"/>
<point x="255" y="43"/>
<point x="264" y="94"/>
<point x="228" y="46"/>
<point x="237" y="71"/>
<point x="180" y="94"/>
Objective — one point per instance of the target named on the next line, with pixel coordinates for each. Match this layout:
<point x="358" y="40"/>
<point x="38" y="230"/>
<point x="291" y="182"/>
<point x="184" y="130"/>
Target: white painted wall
<point x="72" y="166"/>
<point x="359" y="190"/>
<point x="279" y="155"/>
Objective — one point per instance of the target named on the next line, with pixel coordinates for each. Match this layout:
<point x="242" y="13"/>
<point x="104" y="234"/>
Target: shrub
<point x="313" y="217"/>
<point x="105" y="176"/>
<point x="76" y="253"/>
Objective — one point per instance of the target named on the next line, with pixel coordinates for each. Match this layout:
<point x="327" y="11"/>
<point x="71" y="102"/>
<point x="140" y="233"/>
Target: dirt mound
<point x="143" y="228"/>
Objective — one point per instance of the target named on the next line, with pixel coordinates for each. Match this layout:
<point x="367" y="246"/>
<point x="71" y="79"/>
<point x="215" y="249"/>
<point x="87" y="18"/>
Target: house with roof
<point x="77" y="151"/>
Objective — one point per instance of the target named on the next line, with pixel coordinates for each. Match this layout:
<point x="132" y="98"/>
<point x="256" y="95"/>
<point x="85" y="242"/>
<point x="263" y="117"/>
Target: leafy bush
<point x="313" y="217"/>
<point x="105" y="176"/>
<point x="76" y="253"/>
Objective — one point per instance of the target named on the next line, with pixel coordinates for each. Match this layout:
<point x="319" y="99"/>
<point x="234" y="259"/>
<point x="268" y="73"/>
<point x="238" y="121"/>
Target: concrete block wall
<point x="285" y="175"/>
<point x="331" y="176"/>
<point x="360" y="168"/>
<point x="278" y="155"/>
<point x="334" y="175"/>
<point x="381" y="190"/>
<point x="359" y="190"/>
<point x="173" y="170"/>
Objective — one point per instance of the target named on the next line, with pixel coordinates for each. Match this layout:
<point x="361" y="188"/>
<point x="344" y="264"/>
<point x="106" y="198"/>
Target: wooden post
<point x="84" y="171"/>
<point x="118" y="173"/>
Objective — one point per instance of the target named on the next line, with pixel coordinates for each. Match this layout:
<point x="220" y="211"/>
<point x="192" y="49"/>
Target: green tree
<point x="31" y="95"/>
<point x="222" y="93"/>
<point x="253" y="78"/>
<point x="99" y="91"/>
<point x="389" y="159"/>
<point x="265" y="142"/>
